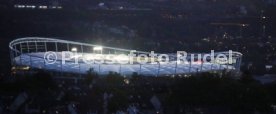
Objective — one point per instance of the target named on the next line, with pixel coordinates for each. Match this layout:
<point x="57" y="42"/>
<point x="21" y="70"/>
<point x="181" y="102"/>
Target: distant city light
<point x="101" y="4"/>
<point x="28" y="6"/>
<point x="126" y="81"/>
<point x="42" y="7"/>
<point x="59" y="7"/>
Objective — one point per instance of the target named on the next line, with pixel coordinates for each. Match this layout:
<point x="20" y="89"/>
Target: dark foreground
<point x="200" y="93"/>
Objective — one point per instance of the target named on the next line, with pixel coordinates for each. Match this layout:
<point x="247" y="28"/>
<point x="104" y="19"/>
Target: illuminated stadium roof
<point x="48" y="54"/>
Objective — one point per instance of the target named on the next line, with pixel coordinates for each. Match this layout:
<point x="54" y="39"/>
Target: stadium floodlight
<point x="74" y="49"/>
<point x="98" y="48"/>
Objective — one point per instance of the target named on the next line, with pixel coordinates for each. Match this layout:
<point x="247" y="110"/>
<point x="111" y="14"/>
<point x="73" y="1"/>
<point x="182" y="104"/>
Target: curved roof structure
<point x="31" y="52"/>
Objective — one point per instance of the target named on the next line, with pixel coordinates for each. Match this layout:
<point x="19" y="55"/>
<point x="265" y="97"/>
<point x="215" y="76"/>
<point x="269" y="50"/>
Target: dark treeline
<point x="204" y="92"/>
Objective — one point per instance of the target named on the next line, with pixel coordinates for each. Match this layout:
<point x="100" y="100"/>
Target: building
<point x="74" y="57"/>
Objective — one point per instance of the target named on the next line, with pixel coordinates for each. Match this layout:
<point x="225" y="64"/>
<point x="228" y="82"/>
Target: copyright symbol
<point x="50" y="57"/>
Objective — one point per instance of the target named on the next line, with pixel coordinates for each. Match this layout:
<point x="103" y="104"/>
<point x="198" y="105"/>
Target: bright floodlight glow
<point x="122" y="58"/>
<point x="98" y="48"/>
<point x="74" y="49"/>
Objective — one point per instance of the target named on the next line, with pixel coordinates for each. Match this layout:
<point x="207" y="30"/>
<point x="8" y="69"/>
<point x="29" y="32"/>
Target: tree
<point x="91" y="75"/>
<point x="247" y="77"/>
<point x="114" y="78"/>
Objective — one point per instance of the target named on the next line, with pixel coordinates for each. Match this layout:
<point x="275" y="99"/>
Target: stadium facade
<point x="31" y="53"/>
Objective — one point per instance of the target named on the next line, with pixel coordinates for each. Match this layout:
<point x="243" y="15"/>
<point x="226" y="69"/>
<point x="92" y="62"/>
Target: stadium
<point x="30" y="53"/>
